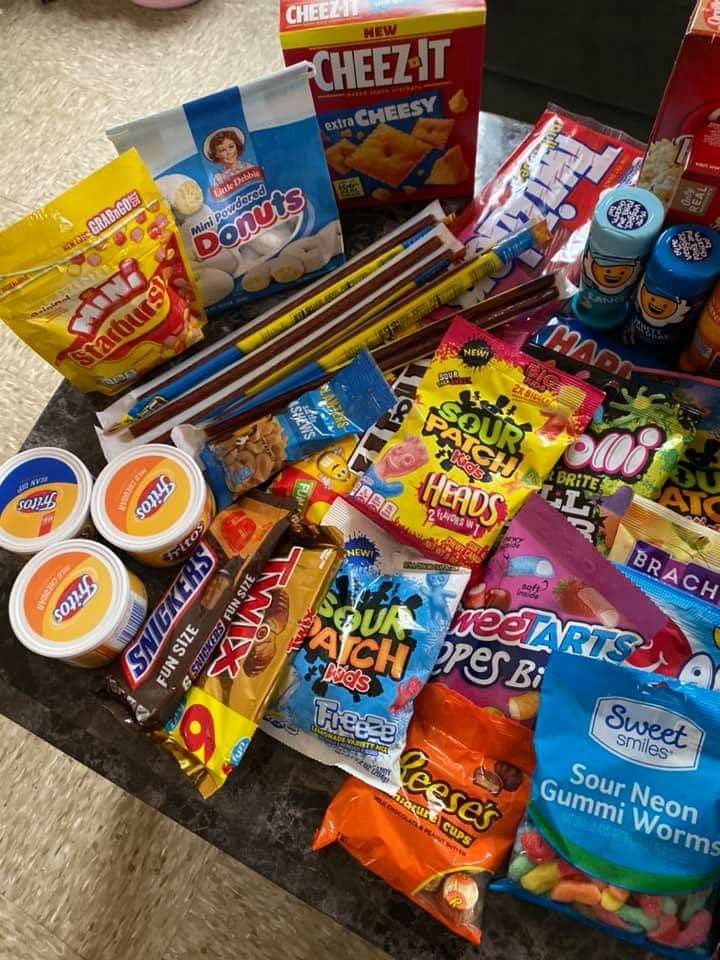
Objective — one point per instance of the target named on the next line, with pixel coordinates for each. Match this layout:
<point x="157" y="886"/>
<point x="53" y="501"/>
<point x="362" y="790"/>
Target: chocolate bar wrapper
<point x="215" y="721"/>
<point x="179" y="637"/>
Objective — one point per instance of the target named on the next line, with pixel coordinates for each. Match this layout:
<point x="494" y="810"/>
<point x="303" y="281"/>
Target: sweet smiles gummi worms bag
<point x="623" y="826"/>
<point x="486" y="427"/>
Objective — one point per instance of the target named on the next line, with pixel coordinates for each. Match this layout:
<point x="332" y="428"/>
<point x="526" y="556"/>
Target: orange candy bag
<point x="442" y="837"/>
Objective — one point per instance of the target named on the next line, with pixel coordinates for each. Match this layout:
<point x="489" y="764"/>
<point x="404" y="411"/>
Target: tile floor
<point x="86" y="871"/>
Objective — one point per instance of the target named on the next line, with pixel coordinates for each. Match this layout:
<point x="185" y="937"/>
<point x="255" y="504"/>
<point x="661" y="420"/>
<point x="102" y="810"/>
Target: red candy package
<point x="557" y="172"/>
<point x="546" y="589"/>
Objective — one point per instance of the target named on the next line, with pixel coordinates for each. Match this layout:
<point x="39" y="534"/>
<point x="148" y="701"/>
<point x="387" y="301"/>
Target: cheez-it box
<point x="397" y="93"/>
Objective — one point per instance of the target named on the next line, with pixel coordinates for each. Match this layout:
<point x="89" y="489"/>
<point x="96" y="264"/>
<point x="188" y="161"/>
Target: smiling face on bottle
<point x="610" y="276"/>
<point x="660" y="311"/>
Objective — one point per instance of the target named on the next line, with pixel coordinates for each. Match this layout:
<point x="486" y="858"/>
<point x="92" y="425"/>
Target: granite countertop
<point x="266" y="814"/>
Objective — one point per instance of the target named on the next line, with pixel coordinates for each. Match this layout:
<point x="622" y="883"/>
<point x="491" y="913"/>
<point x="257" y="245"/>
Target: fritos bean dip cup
<point x="44" y="499"/>
<point x="153" y="503"/>
<point x="76" y="602"/>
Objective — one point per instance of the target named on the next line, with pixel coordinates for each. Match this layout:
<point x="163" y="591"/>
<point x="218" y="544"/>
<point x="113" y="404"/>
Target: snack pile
<point x="447" y="518"/>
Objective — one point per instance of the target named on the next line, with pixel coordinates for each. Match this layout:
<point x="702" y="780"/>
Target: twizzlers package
<point x="547" y="589"/>
<point x="486" y="428"/>
<point x="397" y="93"/>
<point x="253" y="223"/>
<point x="558" y="172"/>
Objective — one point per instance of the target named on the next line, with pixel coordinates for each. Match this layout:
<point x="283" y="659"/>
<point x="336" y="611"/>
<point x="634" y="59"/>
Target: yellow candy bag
<point x="217" y="718"/>
<point x="97" y="281"/>
<point x="486" y="428"/>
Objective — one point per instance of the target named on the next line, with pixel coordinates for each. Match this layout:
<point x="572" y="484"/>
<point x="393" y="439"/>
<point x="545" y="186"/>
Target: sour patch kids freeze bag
<point x="487" y="425"/>
<point x="348" y="696"/>
<point x="623" y="822"/>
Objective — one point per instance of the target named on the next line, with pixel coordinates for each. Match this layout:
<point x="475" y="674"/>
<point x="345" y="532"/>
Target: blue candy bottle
<point x="625" y="225"/>
<point x="679" y="275"/>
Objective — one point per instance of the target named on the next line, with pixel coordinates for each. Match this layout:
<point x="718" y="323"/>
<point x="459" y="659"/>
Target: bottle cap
<point x="686" y="260"/>
<point x="626" y="222"/>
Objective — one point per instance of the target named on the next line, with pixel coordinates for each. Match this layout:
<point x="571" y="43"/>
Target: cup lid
<point x="147" y="498"/>
<point x="44" y="499"/>
<point x="686" y="255"/>
<point x="69" y="599"/>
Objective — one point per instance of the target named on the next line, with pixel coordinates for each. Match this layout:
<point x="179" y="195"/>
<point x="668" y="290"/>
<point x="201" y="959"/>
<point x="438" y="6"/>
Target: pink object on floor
<point x="163" y="4"/>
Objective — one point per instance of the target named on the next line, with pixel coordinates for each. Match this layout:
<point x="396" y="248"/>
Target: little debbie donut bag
<point x="623" y="825"/>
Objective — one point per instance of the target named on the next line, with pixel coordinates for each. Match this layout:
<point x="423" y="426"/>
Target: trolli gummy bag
<point x="97" y="281"/>
<point x="545" y="588"/>
<point x="623" y="826"/>
<point x="486" y="427"/>
<point x="448" y="829"/>
<point x="347" y="698"/>
<point x="634" y="440"/>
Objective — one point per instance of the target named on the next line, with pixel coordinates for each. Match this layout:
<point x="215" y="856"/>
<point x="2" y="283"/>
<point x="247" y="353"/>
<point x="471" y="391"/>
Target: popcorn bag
<point x="397" y="92"/>
<point x="97" y="281"/>
<point x="623" y="820"/>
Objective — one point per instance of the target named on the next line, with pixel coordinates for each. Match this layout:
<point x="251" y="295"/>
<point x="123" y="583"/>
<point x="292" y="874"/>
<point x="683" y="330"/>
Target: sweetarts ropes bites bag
<point x="486" y="427"/>
<point x="243" y="172"/>
<point x="544" y="589"/>
<point x="397" y="92"/>
<point x="97" y="281"/>
<point x="216" y="719"/>
<point x="448" y="829"/>
<point x="558" y="173"/>
<point x="623" y="822"/>
<point x="347" y="698"/>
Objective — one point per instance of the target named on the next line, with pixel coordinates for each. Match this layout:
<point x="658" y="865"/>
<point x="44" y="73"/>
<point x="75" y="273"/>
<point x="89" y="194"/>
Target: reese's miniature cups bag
<point x="347" y="696"/>
<point x="448" y="829"/>
<point x="623" y="822"/>
<point x="97" y="281"/>
<point x="215" y="721"/>
<point x="486" y="427"/>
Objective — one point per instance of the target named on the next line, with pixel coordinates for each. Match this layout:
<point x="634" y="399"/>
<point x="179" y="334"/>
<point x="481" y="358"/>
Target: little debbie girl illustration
<point x="226" y="147"/>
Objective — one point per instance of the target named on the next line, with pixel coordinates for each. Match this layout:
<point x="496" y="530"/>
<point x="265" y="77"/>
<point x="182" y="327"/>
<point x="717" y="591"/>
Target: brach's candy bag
<point x="97" y="281"/>
<point x="487" y="425"/>
<point x="348" y="696"/>
<point x="623" y="822"/>
<point x="546" y="589"/>
<point x="558" y="172"/>
<point x="634" y="440"/>
<point x="315" y="483"/>
<point x="345" y="405"/>
<point x="244" y="173"/>
<point x="670" y="548"/>
<point x="464" y="786"/>
<point x="179" y="637"/>
<point x="212" y="727"/>
<point x="698" y="621"/>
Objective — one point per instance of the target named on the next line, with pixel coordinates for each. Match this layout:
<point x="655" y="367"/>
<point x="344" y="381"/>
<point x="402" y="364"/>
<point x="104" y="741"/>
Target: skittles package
<point x="215" y="721"/>
<point x="545" y="589"/>
<point x="448" y="829"/>
<point x="485" y="430"/>
<point x="635" y="439"/>
<point x="347" y="697"/>
<point x="670" y="548"/>
<point x="623" y="822"/>
<point x="97" y="281"/>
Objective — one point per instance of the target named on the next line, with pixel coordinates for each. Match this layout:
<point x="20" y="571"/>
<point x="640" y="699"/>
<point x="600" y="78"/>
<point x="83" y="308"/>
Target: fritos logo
<point x="76" y="596"/>
<point x="40" y="502"/>
<point x="155" y="494"/>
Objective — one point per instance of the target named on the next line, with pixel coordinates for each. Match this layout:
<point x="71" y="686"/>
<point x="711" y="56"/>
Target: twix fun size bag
<point x="215" y="721"/>
<point x="486" y="428"/>
<point x="448" y="829"/>
<point x="397" y="93"/>
<point x="97" y="281"/>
